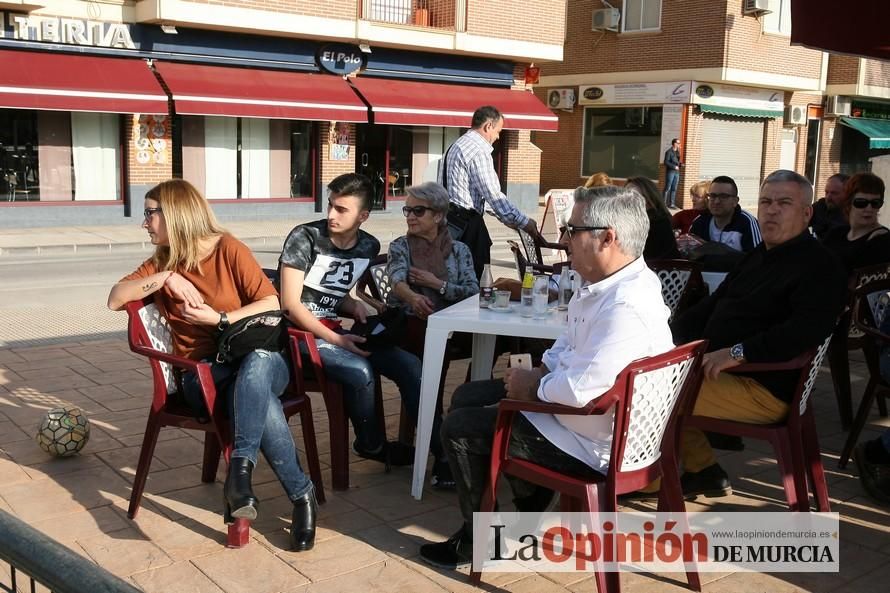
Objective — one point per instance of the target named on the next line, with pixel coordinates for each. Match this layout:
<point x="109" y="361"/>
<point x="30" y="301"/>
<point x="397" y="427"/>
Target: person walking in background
<point x="672" y="164"/>
<point x="468" y="174"/>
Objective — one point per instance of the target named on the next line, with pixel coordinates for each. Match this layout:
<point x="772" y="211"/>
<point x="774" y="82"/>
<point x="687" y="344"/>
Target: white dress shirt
<point x="472" y="181"/>
<point x="611" y="323"/>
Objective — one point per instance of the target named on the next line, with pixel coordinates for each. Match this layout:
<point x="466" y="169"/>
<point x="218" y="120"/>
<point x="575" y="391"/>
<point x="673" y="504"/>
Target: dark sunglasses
<point x="720" y="196"/>
<point x="417" y="211"/>
<point x="149" y="211"/>
<point x="877" y="203"/>
<point x="571" y="229"/>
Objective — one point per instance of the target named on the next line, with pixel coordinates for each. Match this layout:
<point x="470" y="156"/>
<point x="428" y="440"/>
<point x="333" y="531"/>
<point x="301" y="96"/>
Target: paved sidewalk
<point x="369" y="536"/>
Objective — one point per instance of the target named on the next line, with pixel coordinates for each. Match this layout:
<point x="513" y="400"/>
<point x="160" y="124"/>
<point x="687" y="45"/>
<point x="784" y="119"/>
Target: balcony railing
<point x="445" y="15"/>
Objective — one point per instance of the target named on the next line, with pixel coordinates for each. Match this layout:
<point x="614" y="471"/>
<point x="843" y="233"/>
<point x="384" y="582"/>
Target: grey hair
<point x="784" y="175"/>
<point x="434" y="195"/>
<point x="622" y="210"/>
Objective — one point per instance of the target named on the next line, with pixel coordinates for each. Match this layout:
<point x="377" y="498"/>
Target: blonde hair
<point x="700" y="188"/>
<point x="189" y="221"/>
<point x="598" y="180"/>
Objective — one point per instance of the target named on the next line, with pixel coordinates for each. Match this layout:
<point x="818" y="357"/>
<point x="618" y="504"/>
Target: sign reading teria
<point x="635" y="93"/>
<point x="54" y="29"/>
<point x="726" y="95"/>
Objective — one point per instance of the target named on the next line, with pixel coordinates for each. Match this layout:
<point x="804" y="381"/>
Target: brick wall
<point x="877" y="73"/>
<point x="541" y="21"/>
<point x="149" y="149"/>
<point x="561" y="151"/>
<point x="690" y="173"/>
<point x="749" y="48"/>
<point x="344" y="9"/>
<point x="829" y="153"/>
<point x="843" y="69"/>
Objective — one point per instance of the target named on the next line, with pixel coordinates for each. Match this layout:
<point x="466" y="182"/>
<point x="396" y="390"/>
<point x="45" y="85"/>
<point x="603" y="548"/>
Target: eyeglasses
<point x="571" y="229"/>
<point x="149" y="211"/>
<point x="877" y="203"/>
<point x="720" y="196"/>
<point x="417" y="211"/>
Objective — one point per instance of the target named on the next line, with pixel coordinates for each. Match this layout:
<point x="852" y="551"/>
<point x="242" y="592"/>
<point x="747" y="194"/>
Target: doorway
<point x="370" y="156"/>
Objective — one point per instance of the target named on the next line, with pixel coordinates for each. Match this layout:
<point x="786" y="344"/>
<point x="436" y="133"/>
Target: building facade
<point x="722" y="79"/>
<point x="259" y="103"/>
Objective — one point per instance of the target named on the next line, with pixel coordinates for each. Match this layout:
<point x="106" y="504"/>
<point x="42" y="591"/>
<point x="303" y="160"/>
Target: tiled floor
<point x="368" y="537"/>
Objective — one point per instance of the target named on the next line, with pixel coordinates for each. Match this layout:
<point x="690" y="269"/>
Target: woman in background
<point x="682" y="220"/>
<point x="864" y="240"/>
<point x="661" y="243"/>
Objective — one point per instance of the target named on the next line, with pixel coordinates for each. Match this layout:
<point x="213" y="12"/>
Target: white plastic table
<point x="485" y="325"/>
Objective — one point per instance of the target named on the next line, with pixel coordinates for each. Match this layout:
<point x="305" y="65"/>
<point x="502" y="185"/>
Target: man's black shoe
<point x="711" y="482"/>
<point x="453" y="553"/>
<point x="725" y="442"/>
<point x="875" y="477"/>
<point x="391" y="453"/>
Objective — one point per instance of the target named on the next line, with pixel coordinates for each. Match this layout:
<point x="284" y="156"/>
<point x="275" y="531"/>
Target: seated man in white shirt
<point x="617" y="317"/>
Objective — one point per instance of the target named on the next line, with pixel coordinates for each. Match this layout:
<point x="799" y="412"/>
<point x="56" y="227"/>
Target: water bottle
<point x="528" y="285"/>
<point x="486" y="293"/>
<point x="565" y="289"/>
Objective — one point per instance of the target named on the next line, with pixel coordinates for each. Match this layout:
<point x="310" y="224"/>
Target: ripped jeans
<point x="251" y="389"/>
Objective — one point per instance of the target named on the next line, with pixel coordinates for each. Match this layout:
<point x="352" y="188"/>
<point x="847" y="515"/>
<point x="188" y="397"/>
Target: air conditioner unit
<point x="838" y="105"/>
<point x="757" y="7"/>
<point x="606" y="19"/>
<point x="795" y="115"/>
<point x="561" y="98"/>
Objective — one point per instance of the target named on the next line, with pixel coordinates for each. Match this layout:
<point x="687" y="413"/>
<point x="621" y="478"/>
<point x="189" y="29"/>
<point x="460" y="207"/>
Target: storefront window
<point x="622" y="142"/>
<point x="247" y="158"/>
<point x="59" y="156"/>
<point x="856" y="153"/>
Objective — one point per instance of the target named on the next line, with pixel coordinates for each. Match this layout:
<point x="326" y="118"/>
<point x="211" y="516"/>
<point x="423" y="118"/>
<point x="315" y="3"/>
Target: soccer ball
<point x="63" y="432"/>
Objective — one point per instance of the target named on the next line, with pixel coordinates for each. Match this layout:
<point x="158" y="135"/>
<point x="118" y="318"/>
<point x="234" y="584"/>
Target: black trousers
<point x="468" y="227"/>
<point x="467" y="437"/>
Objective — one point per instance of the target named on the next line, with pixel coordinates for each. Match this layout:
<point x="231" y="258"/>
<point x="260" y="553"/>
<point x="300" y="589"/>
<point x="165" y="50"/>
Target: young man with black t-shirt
<point x="320" y="263"/>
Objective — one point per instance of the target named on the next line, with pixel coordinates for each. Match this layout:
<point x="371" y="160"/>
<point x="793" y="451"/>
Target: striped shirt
<point x="472" y="181"/>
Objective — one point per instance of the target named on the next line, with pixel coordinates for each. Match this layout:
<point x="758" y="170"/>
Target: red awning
<point x="65" y="82"/>
<point x="247" y="92"/>
<point x="431" y="104"/>
<point x="855" y="27"/>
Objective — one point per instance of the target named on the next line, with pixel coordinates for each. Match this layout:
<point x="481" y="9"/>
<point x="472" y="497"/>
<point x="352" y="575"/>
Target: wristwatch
<point x="444" y="286"/>
<point x="223" y="321"/>
<point x="737" y="353"/>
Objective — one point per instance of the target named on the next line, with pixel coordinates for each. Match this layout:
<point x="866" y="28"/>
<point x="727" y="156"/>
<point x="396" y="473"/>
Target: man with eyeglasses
<point x="616" y="317"/>
<point x="725" y="222"/>
<point x="468" y="173"/>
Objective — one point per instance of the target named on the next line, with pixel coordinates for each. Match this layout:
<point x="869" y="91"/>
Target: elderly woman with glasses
<point x="429" y="271"/>
<point x="864" y="241"/>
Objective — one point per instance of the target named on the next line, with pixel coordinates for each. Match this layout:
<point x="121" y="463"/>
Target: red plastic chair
<point x="794" y="439"/>
<point x="149" y="336"/>
<point x="680" y="279"/>
<point x="870" y="307"/>
<point x="648" y="397"/>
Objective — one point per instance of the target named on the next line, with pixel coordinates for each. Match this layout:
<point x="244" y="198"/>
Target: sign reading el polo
<point x="341" y="58"/>
<point x="54" y="29"/>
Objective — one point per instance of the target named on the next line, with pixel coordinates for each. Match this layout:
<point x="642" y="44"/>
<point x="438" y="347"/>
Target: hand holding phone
<point x="521" y="361"/>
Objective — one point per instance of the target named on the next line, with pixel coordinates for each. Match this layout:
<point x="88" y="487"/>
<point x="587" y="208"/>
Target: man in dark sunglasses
<point x="725" y="222"/>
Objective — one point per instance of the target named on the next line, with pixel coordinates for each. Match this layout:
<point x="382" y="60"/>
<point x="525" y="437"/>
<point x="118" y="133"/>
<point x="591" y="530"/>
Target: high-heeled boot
<point x="302" y="528"/>
<point x="238" y="495"/>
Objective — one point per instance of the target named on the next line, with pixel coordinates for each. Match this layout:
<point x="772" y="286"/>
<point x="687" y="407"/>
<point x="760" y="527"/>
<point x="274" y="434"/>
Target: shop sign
<point x="53" y="29"/>
<point x="870" y="110"/>
<point x="641" y="93"/>
<point x="725" y="95"/>
<point x="341" y="58"/>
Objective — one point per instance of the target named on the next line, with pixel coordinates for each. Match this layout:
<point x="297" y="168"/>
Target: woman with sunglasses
<point x="429" y="271"/>
<point x="204" y="279"/>
<point x="864" y="241"/>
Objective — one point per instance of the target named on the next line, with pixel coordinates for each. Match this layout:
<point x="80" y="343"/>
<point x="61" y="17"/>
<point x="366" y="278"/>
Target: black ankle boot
<point x="237" y="492"/>
<point x="302" y="528"/>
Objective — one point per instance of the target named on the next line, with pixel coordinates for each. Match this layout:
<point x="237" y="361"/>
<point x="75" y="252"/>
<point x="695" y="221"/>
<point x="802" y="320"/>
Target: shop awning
<point x="249" y="92"/>
<point x="431" y="104"/>
<point x="739" y="111"/>
<point x="876" y="130"/>
<point x="65" y="82"/>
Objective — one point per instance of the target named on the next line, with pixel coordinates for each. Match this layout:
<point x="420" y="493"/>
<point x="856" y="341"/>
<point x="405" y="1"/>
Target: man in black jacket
<point x="780" y="301"/>
<point x="672" y="164"/>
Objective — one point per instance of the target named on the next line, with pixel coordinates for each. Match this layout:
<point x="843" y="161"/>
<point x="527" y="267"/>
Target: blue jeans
<point x="671" y="179"/>
<point x="251" y="389"/>
<point x="356" y="374"/>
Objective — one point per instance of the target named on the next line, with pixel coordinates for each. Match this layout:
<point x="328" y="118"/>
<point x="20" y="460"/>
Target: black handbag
<point x="382" y="331"/>
<point x="263" y="331"/>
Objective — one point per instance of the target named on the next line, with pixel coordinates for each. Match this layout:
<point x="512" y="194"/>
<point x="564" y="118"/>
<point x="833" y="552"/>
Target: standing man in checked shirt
<point x="468" y="174"/>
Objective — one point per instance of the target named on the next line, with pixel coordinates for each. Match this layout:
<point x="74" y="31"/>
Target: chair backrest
<point x="375" y="281"/>
<point x="521" y="262"/>
<point x="809" y="377"/>
<point x="532" y="251"/>
<point x="656" y="387"/>
<point x="147" y="327"/>
<point x="861" y="277"/>
<point x="677" y="276"/>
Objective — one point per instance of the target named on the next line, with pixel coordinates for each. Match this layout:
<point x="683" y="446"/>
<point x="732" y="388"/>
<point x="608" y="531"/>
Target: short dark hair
<point x="728" y="180"/>
<point x="485" y="114"/>
<point x="840" y="177"/>
<point x="674" y="141"/>
<point x="353" y="184"/>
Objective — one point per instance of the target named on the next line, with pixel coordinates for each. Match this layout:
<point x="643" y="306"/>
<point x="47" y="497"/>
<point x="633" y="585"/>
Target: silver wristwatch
<point x="737" y="353"/>
<point x="444" y="286"/>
